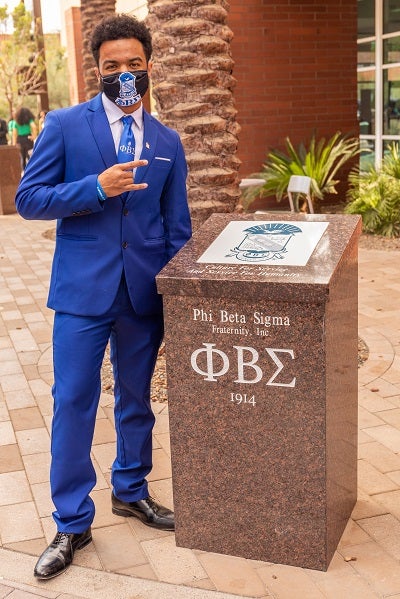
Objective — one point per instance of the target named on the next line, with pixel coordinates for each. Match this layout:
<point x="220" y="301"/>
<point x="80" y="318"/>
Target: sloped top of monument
<point x="264" y="256"/>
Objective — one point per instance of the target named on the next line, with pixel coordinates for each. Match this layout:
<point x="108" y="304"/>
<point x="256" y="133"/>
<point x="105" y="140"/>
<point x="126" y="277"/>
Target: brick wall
<point x="296" y="71"/>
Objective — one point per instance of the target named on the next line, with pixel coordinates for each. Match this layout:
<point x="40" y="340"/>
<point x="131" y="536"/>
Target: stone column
<point x="261" y="338"/>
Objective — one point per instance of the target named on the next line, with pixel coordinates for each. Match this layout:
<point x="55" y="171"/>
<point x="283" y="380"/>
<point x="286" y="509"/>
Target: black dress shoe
<point x="59" y="554"/>
<point x="147" y="510"/>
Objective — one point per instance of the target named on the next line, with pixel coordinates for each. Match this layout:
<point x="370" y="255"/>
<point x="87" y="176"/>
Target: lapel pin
<point x="147" y="145"/>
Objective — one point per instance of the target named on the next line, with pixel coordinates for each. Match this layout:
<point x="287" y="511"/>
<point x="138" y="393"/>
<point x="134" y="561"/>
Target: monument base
<point x="262" y="391"/>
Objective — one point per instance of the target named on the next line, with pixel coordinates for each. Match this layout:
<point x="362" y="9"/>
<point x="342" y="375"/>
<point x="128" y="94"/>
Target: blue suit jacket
<point x="96" y="241"/>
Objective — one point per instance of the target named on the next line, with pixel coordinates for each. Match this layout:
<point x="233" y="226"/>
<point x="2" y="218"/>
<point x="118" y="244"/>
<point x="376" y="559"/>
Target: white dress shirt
<point x="114" y="114"/>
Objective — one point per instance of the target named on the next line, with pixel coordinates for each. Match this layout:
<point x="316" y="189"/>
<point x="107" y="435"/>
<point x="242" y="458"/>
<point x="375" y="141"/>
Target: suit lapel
<point x="149" y="146"/>
<point x="101" y="131"/>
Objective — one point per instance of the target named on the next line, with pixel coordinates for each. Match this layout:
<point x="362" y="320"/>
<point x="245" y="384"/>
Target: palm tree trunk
<point x="193" y="88"/>
<point x="90" y="11"/>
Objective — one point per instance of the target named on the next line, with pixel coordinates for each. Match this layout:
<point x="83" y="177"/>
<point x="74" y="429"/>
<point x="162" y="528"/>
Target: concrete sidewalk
<point x="130" y="561"/>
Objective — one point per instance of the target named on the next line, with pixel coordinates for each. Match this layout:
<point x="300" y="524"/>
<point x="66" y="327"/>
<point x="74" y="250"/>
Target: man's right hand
<point x="119" y="178"/>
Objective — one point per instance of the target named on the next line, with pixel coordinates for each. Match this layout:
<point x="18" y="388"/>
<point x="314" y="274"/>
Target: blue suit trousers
<point x="79" y="344"/>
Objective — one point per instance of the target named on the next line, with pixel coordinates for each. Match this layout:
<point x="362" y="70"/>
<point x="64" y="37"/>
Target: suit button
<point x="125" y="245"/>
<point x="126" y="212"/>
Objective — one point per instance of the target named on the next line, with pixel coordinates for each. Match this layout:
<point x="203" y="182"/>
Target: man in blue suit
<point x="118" y="192"/>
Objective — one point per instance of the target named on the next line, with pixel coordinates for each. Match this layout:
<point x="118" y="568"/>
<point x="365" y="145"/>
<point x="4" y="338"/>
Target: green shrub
<point x="321" y="161"/>
<point x="375" y="195"/>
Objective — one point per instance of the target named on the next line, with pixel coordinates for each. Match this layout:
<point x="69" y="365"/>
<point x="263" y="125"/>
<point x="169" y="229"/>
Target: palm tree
<point x="193" y="88"/>
<point x="90" y="11"/>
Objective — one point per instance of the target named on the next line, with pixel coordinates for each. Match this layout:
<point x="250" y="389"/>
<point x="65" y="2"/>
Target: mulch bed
<point x="377" y="242"/>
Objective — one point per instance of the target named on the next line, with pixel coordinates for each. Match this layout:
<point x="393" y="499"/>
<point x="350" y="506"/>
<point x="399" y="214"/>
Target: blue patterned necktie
<point x="126" y="148"/>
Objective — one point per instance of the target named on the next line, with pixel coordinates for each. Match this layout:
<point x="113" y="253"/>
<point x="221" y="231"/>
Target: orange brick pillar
<point x="296" y="71"/>
<point x="74" y="48"/>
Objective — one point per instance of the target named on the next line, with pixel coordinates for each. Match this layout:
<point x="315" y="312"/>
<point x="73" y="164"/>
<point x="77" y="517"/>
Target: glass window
<point x="391" y="50"/>
<point x="366" y="54"/>
<point x="367" y="154"/>
<point x="366" y="102"/>
<point x="366" y="18"/>
<point x="391" y="101"/>
<point x="391" y="16"/>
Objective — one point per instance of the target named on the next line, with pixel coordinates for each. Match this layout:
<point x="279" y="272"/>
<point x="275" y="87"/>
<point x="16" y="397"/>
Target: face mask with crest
<point x="125" y="89"/>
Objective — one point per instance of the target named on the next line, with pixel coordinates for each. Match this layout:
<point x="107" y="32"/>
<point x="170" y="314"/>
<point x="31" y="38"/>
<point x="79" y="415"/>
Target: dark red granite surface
<point x="262" y="388"/>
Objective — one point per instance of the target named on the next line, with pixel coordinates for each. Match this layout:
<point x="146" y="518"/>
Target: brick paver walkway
<point x="129" y="561"/>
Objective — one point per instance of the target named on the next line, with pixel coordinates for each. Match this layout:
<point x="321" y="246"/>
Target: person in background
<point x="3" y="132"/>
<point x="24" y="133"/>
<point x="42" y="116"/>
<point x="11" y="125"/>
<point x="114" y="177"/>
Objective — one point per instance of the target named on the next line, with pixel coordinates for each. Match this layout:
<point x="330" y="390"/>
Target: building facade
<point x="297" y="71"/>
<point x="295" y="64"/>
<point x="378" y="75"/>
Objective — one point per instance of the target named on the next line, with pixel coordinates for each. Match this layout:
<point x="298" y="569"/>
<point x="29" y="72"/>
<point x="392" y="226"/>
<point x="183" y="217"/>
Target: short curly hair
<point x="116" y="27"/>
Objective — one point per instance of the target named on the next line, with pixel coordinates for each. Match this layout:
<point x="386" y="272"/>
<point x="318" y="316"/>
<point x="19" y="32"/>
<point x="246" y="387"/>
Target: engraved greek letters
<point x="246" y="363"/>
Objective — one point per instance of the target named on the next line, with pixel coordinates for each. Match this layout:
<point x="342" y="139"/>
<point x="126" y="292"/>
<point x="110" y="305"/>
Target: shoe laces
<point x="152" y="503"/>
<point x="60" y="536"/>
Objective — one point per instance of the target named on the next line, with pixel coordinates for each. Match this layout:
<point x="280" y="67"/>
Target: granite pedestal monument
<point x="261" y="338"/>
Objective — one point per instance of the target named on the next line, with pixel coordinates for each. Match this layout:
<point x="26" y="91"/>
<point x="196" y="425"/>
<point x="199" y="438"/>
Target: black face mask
<point x="125" y="89"/>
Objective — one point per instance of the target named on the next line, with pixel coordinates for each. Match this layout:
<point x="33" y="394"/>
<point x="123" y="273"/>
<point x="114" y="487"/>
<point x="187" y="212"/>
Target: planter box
<point x="10" y="175"/>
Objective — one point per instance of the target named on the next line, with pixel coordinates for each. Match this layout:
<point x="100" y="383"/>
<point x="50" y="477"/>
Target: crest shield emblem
<point x="127" y="93"/>
<point x="265" y="242"/>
